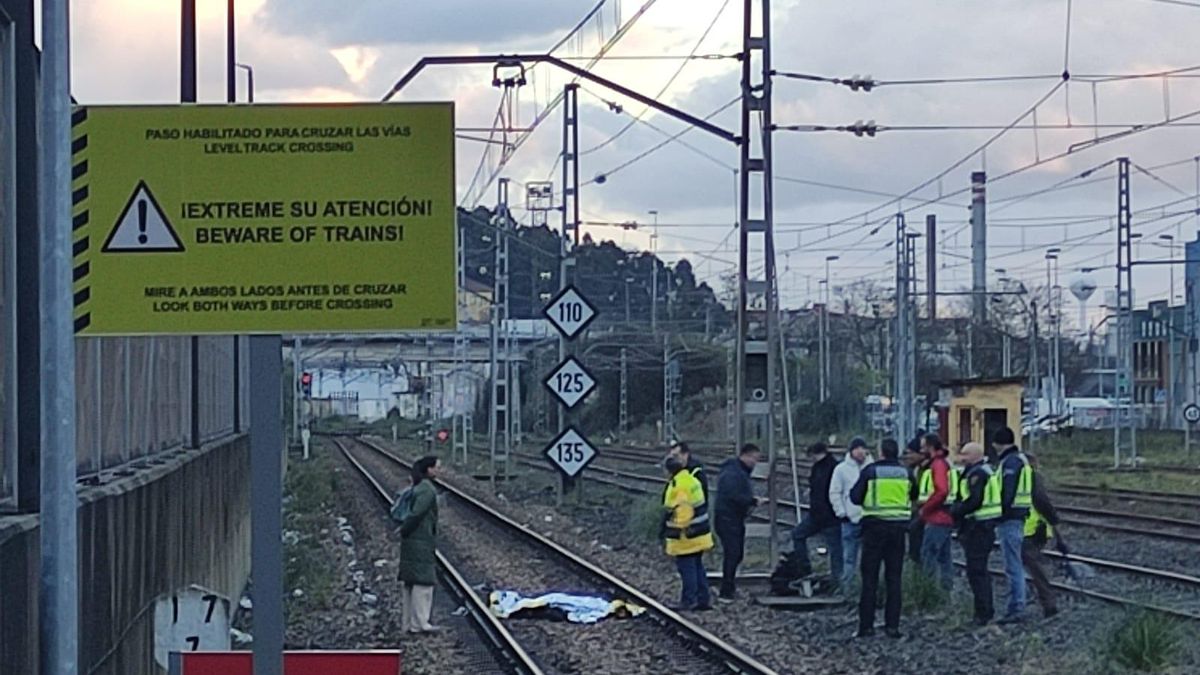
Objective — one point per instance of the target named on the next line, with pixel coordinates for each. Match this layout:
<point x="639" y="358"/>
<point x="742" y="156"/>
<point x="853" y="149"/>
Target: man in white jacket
<point x="845" y="475"/>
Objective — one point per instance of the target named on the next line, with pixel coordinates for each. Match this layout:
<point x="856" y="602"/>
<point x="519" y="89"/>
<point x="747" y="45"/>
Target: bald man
<point x="976" y="512"/>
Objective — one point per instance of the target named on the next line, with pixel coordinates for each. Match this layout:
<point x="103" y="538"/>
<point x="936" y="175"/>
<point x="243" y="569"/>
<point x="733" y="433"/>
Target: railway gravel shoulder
<point x="808" y="642"/>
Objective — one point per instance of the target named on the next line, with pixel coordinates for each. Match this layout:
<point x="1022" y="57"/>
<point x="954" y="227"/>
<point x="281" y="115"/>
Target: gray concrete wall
<point x="184" y="520"/>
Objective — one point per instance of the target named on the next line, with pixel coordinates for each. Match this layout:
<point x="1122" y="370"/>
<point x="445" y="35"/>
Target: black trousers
<point x="977" y="540"/>
<point x="882" y="544"/>
<point x="733" y="549"/>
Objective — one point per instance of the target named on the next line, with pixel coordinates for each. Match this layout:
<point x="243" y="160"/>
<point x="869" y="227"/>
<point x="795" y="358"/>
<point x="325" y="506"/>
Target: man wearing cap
<point x="850" y="514"/>
<point x="1016" y="499"/>
<point x="820" y="519"/>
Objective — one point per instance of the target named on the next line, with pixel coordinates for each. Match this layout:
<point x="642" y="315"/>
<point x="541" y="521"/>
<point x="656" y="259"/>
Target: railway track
<point x="667" y="638"/>
<point x="508" y="652"/>
<point x="1149" y="579"/>
<point x="1161" y="527"/>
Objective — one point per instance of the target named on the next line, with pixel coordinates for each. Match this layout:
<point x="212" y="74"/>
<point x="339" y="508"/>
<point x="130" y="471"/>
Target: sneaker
<point x="1011" y="619"/>
<point x="431" y="629"/>
<point x="979" y="622"/>
<point x="702" y="608"/>
<point x="869" y="632"/>
<point x="893" y="633"/>
<point x="726" y="599"/>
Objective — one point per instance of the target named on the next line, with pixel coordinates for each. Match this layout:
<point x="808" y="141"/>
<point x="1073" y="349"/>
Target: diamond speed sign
<point x="571" y="382"/>
<point x="570" y="312"/>
<point x="570" y="452"/>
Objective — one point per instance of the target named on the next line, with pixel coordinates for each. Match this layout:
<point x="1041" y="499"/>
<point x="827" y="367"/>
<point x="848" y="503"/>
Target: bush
<point x="1146" y="641"/>
<point x="645" y="519"/>
<point x="922" y="592"/>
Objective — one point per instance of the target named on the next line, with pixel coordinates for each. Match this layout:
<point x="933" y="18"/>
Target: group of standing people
<point x="860" y="504"/>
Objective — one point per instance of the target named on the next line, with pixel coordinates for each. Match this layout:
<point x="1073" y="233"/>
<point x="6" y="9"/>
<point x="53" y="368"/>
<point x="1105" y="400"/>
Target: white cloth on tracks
<point x="577" y="608"/>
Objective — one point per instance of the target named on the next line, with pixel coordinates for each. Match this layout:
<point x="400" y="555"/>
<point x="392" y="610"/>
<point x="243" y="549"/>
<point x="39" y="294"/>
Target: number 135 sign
<point x="570" y="452"/>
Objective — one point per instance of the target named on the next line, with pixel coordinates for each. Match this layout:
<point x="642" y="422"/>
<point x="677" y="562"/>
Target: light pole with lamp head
<point x="654" y="272"/>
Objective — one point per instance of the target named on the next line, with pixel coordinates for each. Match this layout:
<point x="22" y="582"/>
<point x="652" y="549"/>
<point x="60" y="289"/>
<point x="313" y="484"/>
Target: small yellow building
<point x="972" y="410"/>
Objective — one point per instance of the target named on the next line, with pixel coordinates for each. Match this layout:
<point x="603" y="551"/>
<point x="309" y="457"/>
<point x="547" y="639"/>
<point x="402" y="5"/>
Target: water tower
<point x="1083" y="288"/>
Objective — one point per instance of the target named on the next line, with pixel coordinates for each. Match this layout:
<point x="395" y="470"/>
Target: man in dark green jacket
<point x="418" y="539"/>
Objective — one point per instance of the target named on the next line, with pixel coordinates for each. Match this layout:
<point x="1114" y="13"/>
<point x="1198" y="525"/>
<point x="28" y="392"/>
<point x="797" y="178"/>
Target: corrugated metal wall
<point x="134" y="397"/>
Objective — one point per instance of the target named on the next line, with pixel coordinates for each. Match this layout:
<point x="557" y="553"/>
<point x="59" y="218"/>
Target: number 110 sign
<point x="570" y="453"/>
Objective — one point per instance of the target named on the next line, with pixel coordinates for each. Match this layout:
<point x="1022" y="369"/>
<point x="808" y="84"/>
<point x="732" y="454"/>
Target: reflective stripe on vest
<point x="1033" y="521"/>
<point x="925" y="486"/>
<point x="888" y="494"/>
<point x="990" y="507"/>
<point x="699" y="522"/>
<point x="1024" y="496"/>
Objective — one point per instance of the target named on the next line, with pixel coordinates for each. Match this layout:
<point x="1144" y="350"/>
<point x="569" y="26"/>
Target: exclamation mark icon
<point x="142" y="238"/>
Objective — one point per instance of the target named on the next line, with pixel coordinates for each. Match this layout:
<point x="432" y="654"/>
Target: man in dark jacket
<point x="1016" y="498"/>
<point x="885" y="490"/>
<point x="735" y="500"/>
<point x="1041" y="524"/>
<point x="820" y="519"/>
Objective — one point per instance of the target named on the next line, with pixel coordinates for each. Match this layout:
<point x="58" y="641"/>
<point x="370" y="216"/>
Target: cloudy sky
<point x="126" y="51"/>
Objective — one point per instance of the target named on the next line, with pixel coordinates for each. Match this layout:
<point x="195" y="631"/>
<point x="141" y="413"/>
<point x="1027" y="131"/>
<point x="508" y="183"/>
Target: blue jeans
<point x="851" y="542"/>
<point x="1011" y="534"/>
<point x="935" y="554"/>
<point x="695" y="580"/>
<point x="833" y="541"/>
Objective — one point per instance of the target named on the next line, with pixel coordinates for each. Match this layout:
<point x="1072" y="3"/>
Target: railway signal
<point x="306" y="385"/>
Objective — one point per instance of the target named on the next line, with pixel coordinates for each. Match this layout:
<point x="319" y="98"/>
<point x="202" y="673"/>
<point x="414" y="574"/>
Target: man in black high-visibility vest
<point x="976" y="512"/>
<point x="885" y="490"/>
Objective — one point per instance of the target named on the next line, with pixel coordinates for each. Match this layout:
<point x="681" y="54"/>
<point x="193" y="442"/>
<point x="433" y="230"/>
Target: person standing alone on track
<point x="687" y="533"/>
<point x="1016" y="499"/>
<point x="936" y="492"/>
<point x="885" y="492"/>
<point x="844" y="477"/>
<point x="418" y="540"/>
<point x="820" y="519"/>
<point x="735" y="500"/>
<point x="976" y="511"/>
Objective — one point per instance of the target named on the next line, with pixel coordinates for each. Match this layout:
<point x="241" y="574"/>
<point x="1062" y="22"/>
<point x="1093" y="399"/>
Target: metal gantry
<point x="499" y="426"/>
<point x="904" y="329"/>
<point x="1125" y="428"/>
<point x="757" y="315"/>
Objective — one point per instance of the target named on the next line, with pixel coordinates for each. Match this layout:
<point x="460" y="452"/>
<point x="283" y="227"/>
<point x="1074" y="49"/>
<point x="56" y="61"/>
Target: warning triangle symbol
<point x="142" y="227"/>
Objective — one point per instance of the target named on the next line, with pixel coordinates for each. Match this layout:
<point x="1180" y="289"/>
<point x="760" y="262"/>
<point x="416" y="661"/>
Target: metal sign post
<point x="59" y="587"/>
<point x="570" y="382"/>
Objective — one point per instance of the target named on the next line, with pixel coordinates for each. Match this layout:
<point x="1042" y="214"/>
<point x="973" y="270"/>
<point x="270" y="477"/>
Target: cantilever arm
<point x="680" y="115"/>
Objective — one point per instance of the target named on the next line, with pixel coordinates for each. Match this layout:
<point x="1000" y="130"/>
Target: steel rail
<point x="706" y="642"/>
<point x="502" y="642"/>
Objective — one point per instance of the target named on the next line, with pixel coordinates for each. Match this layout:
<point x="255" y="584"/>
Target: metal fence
<point x="8" y="229"/>
<point x="134" y="396"/>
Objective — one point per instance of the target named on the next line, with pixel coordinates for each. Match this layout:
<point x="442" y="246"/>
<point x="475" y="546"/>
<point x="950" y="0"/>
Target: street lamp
<point x="1054" y="314"/>
<point x="249" y="81"/>
<point x="654" y="272"/>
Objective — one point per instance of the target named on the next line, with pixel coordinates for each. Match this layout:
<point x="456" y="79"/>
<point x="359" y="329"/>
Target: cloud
<point x="383" y="22"/>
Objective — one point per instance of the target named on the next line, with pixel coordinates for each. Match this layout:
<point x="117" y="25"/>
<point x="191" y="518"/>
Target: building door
<point x="964" y="426"/>
<point x="994" y="419"/>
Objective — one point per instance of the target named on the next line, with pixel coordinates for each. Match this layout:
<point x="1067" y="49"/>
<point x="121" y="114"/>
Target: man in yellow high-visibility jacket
<point x="687" y="533"/>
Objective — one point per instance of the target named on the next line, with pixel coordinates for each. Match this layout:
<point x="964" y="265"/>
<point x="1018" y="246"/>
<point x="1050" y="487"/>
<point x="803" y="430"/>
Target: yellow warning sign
<point x="264" y="218"/>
